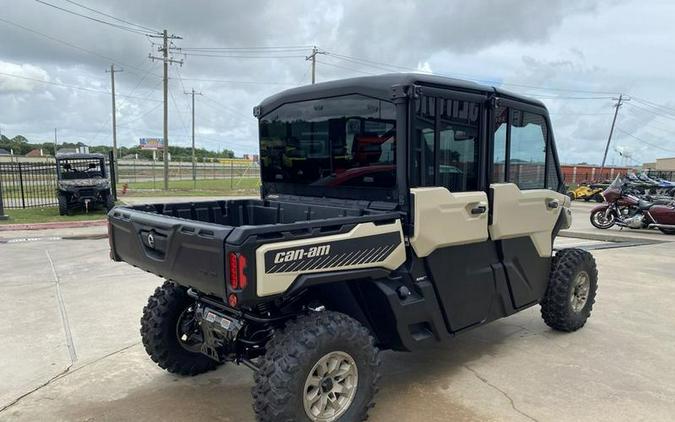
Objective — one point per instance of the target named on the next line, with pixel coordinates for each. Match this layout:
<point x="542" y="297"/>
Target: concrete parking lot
<point x="71" y="348"/>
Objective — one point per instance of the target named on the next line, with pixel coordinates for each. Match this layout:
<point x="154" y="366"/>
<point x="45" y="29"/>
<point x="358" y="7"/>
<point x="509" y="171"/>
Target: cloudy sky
<point x="574" y="55"/>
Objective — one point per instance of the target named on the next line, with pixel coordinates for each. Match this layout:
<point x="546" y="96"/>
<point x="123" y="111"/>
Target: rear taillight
<point x="238" y="279"/>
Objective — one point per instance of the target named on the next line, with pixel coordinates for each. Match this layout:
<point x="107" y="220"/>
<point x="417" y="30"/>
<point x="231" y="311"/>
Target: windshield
<point x="616" y="184"/>
<point x="81" y="168"/>
<point x="340" y="141"/>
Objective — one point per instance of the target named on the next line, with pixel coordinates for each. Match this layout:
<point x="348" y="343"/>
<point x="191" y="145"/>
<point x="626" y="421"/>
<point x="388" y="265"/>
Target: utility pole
<point x="312" y="57"/>
<point x="114" y="117"/>
<point x="194" y="168"/>
<point x="619" y="103"/>
<point x="164" y="49"/>
<point x="55" y="143"/>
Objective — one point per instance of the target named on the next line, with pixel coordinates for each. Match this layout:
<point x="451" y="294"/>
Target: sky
<point x="576" y="56"/>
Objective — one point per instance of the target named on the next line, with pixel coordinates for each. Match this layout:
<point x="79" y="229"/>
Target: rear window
<point x="341" y="141"/>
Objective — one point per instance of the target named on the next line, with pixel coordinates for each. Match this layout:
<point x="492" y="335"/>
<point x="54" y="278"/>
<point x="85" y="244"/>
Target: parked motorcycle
<point x="586" y="193"/>
<point x="626" y="209"/>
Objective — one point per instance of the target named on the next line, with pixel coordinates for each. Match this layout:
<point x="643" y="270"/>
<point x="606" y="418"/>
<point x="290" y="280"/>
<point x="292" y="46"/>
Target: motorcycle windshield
<point x="616" y="184"/>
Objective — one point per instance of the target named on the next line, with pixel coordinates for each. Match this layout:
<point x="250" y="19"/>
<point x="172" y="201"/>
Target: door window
<point x="446" y="143"/>
<point x="527" y="150"/>
<point x="521" y="151"/>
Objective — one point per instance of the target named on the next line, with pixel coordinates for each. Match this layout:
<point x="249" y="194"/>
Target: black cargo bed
<point x="185" y="242"/>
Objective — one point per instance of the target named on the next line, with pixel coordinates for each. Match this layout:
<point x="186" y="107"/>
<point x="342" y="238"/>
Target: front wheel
<point x="320" y="367"/>
<point x="571" y="290"/>
<point x="602" y="219"/>
<point x="171" y="335"/>
<point x="63" y="205"/>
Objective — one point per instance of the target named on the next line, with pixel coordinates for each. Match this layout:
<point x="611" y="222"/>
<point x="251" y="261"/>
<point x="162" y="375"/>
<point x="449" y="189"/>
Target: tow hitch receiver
<point x="219" y="330"/>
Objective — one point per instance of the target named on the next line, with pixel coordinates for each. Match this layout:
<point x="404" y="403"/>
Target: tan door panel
<point x="444" y="219"/>
<point x="533" y="213"/>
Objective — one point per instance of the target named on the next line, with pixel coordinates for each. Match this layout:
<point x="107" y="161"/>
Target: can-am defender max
<point x="396" y="212"/>
<point x="82" y="182"/>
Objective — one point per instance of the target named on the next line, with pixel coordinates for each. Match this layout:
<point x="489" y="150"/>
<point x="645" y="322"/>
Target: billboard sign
<point x="151" y="143"/>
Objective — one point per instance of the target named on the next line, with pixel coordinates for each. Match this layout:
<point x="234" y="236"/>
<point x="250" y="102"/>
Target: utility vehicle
<point x="82" y="182"/>
<point x="396" y="212"/>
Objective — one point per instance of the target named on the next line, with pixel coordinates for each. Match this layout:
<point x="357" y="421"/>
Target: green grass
<point x="204" y="187"/>
<point x="47" y="215"/>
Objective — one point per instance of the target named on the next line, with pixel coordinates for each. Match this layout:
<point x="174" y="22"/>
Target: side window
<point x="527" y="150"/>
<point x="458" y="151"/>
<point x="499" y="146"/>
<point x="446" y="143"/>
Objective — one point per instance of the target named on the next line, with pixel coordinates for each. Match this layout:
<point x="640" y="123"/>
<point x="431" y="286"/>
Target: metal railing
<point x="30" y="184"/>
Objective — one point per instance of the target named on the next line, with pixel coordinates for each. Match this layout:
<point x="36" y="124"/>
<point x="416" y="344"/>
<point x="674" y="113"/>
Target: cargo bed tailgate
<point x="191" y="253"/>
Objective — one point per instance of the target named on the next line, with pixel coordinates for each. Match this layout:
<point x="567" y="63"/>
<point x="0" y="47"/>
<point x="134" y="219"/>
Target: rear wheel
<point x="320" y="367"/>
<point x="170" y="333"/>
<point x="571" y="290"/>
<point x="598" y="198"/>
<point x="667" y="231"/>
<point x="571" y="195"/>
<point x="602" y="220"/>
<point x="63" y="205"/>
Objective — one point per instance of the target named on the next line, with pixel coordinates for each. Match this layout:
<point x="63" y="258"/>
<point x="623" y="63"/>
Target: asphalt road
<point x="71" y="349"/>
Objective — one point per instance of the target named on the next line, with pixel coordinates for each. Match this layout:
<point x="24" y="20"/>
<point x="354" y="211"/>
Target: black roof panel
<point x="380" y="86"/>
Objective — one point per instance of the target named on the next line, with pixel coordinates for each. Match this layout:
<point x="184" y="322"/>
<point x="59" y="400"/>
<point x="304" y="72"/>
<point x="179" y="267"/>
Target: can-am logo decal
<point x="296" y="254"/>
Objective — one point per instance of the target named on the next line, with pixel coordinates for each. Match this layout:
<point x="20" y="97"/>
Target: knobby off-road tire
<point x="571" y="290"/>
<point x="159" y="334"/>
<point x="283" y="385"/>
<point x="109" y="202"/>
<point x="63" y="205"/>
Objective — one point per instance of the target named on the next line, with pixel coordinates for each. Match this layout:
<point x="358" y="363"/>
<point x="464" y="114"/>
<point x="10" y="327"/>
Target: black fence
<point x="33" y="184"/>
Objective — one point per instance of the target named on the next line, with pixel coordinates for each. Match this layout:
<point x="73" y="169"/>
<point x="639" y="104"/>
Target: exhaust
<point x="661" y="226"/>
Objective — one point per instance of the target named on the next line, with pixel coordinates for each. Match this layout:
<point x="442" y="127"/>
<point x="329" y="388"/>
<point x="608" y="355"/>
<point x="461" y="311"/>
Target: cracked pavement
<point x="620" y="367"/>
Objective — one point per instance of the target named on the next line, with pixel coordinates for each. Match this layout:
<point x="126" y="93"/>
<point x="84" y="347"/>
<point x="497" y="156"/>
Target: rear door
<point x="525" y="204"/>
<point x="450" y="203"/>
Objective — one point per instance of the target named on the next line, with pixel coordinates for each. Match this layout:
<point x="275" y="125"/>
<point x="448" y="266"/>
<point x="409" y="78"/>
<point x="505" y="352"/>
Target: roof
<point x="4" y="151"/>
<point x="380" y="86"/>
<point x="36" y="152"/>
<point x="75" y="155"/>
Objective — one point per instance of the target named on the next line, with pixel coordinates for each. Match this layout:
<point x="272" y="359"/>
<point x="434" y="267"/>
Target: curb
<point x="609" y="237"/>
<point x="56" y="225"/>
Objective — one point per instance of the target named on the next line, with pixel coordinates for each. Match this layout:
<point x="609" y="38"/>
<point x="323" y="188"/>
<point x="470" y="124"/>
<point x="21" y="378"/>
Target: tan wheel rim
<point x="330" y="387"/>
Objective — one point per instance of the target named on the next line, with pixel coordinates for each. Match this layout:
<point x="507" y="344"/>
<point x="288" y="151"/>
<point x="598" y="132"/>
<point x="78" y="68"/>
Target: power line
<point x="239" y="56"/>
<point x="390" y="67"/>
<point x="645" y="142"/>
<point x="113" y="17"/>
<point x="114" y="25"/>
<point x="256" y="48"/>
<point x="69" y="44"/>
<point x="652" y="112"/>
<point x="81" y="88"/>
<point x="346" y="68"/>
<point x="660" y="108"/>
<point x="237" y="82"/>
<point x="226" y="107"/>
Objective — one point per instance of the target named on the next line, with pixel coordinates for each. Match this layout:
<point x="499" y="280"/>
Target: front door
<point x="450" y="207"/>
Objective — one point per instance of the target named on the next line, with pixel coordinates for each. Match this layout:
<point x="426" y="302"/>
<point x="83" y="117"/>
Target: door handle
<point x="553" y="204"/>
<point x="480" y="209"/>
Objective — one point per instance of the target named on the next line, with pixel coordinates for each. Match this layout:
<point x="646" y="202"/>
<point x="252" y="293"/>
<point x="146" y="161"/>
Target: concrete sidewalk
<point x="71" y="351"/>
